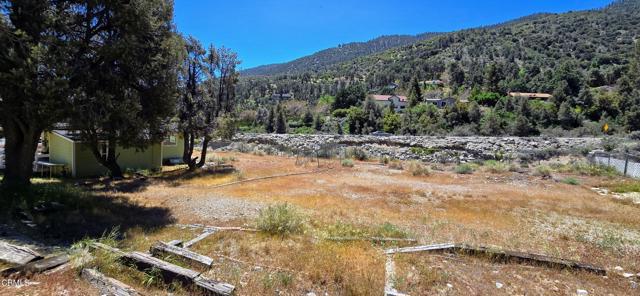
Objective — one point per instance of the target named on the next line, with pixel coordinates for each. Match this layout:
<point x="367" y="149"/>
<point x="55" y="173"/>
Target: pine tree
<point x="415" y="93"/>
<point x="281" y="121"/>
<point x="317" y="122"/>
<point x="566" y="116"/>
<point x="307" y="119"/>
<point x="271" y="121"/>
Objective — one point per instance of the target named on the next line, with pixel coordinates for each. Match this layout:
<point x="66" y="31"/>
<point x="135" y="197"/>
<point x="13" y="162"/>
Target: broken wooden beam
<point x="529" y="258"/>
<point x="17" y="254"/>
<point x="162" y="249"/>
<point x="168" y="271"/>
<point x="107" y="285"/>
<point x="437" y="247"/>
<point x="38" y="266"/>
<point x="211" y="287"/>
<point x="204" y="235"/>
<point x="175" y="242"/>
<point x="503" y="256"/>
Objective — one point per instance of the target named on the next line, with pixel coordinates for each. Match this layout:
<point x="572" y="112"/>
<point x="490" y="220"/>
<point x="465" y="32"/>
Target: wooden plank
<point x="17" y="254"/>
<point x="211" y="287"/>
<point x="168" y="271"/>
<point x="437" y="247"/>
<point x="192" y="242"/>
<point x="175" y="242"/>
<point x="38" y="266"/>
<point x="107" y="285"/>
<point x="161" y="249"/>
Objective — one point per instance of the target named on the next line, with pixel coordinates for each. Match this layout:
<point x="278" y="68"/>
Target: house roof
<point x="530" y="95"/>
<point x="387" y="97"/>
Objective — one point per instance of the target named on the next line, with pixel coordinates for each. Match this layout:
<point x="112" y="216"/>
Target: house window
<point x="170" y="141"/>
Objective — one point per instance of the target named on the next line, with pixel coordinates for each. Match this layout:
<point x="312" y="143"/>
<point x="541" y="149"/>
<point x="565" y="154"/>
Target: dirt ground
<point x="511" y="211"/>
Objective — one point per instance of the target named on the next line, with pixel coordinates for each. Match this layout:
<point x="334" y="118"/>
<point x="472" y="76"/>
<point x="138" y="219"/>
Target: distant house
<point x="441" y="102"/>
<point x="540" y="96"/>
<point x="399" y="102"/>
<point x="66" y="148"/>
<point x="433" y="82"/>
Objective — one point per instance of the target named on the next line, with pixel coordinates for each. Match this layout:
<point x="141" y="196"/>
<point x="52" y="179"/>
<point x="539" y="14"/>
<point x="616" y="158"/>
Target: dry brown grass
<point x="515" y="211"/>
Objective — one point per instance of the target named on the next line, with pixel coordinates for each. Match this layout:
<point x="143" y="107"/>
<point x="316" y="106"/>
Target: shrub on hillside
<point x="496" y="167"/>
<point x="348" y="163"/>
<point x="464" y="169"/>
<point x="357" y="153"/>
<point x="543" y="171"/>
<point x="282" y="219"/>
<point x="418" y="169"/>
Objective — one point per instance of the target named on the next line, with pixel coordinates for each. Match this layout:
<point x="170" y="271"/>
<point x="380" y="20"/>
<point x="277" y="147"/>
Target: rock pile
<point x="434" y="149"/>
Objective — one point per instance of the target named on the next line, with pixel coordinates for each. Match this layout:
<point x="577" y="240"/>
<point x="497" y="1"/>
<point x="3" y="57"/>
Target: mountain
<point x="528" y="54"/>
<point x="321" y="60"/>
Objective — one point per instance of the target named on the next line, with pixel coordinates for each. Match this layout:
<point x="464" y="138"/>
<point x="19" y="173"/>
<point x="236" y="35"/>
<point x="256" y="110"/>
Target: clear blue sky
<point x="274" y="31"/>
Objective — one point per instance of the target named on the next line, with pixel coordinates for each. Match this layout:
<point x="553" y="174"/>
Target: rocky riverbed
<point x="436" y="149"/>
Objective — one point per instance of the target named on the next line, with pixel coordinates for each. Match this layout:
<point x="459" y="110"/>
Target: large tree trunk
<point x="20" y="149"/>
<point x="189" y="139"/>
<point x="111" y="161"/>
<point x="203" y="153"/>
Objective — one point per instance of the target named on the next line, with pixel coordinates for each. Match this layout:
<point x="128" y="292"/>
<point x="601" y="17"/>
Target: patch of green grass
<point x="347" y="163"/>
<point x="543" y="171"/>
<point x="570" y="181"/>
<point x="624" y="187"/>
<point x="282" y="219"/>
<point x="389" y="230"/>
<point x="464" y="169"/>
<point x="495" y="167"/>
<point x="586" y="169"/>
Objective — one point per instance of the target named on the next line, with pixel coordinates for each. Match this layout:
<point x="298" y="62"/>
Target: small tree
<point x="270" y="126"/>
<point x="415" y="93"/>
<point x="281" y="121"/>
<point x="566" y="116"/>
<point x="307" y="119"/>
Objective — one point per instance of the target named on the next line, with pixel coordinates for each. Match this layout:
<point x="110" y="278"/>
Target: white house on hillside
<point x="399" y="102"/>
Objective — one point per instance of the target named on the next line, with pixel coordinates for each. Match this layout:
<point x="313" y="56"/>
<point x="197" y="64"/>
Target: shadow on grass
<point x="63" y="213"/>
<point x="176" y="177"/>
<point x="128" y="185"/>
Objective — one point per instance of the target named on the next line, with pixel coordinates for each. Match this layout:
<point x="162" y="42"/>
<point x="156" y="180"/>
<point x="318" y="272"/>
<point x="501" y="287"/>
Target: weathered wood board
<point x="107" y="285"/>
<point x="211" y="287"/>
<point x="17" y="255"/>
<point x="161" y="249"/>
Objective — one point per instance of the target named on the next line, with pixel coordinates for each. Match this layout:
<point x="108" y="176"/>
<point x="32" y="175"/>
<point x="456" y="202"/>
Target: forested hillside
<point x="345" y="52"/>
<point x="585" y="59"/>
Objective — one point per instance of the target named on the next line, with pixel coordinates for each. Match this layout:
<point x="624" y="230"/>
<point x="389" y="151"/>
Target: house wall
<point x="60" y="151"/>
<point x="173" y="151"/>
<point x="88" y="166"/>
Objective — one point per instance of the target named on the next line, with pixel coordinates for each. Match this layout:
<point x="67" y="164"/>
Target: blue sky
<point x="274" y="31"/>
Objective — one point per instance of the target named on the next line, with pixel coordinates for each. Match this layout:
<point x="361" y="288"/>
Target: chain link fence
<point x="626" y="164"/>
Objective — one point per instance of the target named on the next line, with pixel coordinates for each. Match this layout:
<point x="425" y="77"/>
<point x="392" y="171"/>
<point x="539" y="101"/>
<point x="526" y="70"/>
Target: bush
<point x="396" y="165"/>
<point x="543" y="171"/>
<point x="357" y="153"/>
<point x="587" y="169"/>
<point x="464" y="168"/>
<point x="384" y="160"/>
<point x="496" y="167"/>
<point x="570" y="181"/>
<point x="348" y="163"/>
<point x="282" y="219"/>
<point x="418" y="169"/>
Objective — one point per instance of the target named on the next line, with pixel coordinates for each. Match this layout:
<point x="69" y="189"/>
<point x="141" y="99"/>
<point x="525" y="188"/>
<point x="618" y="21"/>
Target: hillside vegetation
<point x="345" y="52"/>
<point x="584" y="59"/>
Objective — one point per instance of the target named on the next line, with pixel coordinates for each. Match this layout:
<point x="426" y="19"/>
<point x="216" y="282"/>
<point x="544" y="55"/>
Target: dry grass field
<point x="510" y="209"/>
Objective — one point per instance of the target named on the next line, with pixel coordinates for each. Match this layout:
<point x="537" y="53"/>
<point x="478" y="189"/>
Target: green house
<point x="66" y="148"/>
